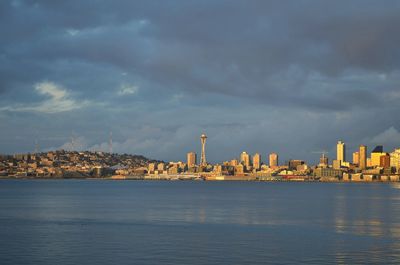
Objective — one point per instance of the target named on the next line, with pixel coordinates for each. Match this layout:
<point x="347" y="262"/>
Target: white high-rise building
<point x="341" y="152"/>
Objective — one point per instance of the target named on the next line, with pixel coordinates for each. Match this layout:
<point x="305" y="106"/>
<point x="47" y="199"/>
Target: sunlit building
<point x="362" y="157"/>
<point x="323" y="160"/>
<point x="385" y="161"/>
<point x="161" y="167"/>
<point x="336" y="164"/>
<point x="294" y="163"/>
<point x="273" y="160"/>
<point x="376" y="156"/>
<point x="341" y="152"/>
<point x="191" y="159"/>
<point x="239" y="169"/>
<point x="173" y="169"/>
<point x="328" y="173"/>
<point x="257" y="161"/>
<point x="369" y="163"/>
<point x="217" y="169"/>
<point x="245" y="159"/>
<point x="356" y="158"/>
<point x="395" y="159"/>
<point x="234" y="162"/>
<point x="151" y="168"/>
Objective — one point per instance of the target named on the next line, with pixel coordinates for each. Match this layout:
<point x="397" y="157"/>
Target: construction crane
<point x="323" y="152"/>
<point x="323" y="159"/>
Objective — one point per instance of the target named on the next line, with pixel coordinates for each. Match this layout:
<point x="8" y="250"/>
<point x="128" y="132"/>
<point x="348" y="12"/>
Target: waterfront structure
<point x="294" y="163"/>
<point x="191" y="159"/>
<point x="173" y="169"/>
<point x="362" y="157"/>
<point x="376" y="155"/>
<point x="160" y="167"/>
<point x="369" y="163"/>
<point x="245" y="159"/>
<point x="217" y="169"/>
<point x="323" y="161"/>
<point x="257" y="161"/>
<point x="328" y="173"/>
<point x="395" y="159"/>
<point x="273" y="160"/>
<point x="341" y="152"/>
<point x="336" y="164"/>
<point x="239" y="169"/>
<point x="203" y="161"/>
<point x="234" y="162"/>
<point x="356" y="158"/>
<point x="151" y="168"/>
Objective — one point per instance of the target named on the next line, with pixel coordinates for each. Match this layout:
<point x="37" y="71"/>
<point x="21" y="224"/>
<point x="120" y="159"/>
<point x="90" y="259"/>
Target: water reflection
<point x="372" y="212"/>
<point x="227" y="223"/>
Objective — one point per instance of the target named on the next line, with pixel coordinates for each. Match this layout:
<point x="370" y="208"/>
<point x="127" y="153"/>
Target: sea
<point x="197" y="222"/>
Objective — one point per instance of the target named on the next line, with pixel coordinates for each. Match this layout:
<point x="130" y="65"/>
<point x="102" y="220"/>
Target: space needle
<point x="203" y="161"/>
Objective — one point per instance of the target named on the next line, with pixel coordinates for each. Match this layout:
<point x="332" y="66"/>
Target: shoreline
<point x="196" y="180"/>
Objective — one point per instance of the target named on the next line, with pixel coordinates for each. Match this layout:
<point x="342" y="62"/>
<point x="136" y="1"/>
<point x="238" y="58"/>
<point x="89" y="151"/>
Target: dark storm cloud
<point x="178" y="67"/>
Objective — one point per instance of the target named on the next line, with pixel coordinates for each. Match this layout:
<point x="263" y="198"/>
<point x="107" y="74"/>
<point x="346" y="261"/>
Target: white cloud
<point x="59" y="100"/>
<point x="389" y="136"/>
<point x="176" y="98"/>
<point x="391" y="96"/>
<point x="127" y="90"/>
<point x="72" y="32"/>
<point x="75" y="144"/>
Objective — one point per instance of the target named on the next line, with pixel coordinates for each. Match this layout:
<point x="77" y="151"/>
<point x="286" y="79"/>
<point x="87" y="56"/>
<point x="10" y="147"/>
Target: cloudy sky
<point x="286" y="76"/>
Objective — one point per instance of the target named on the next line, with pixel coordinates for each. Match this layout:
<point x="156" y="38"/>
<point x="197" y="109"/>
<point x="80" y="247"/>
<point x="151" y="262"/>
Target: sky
<point x="291" y="77"/>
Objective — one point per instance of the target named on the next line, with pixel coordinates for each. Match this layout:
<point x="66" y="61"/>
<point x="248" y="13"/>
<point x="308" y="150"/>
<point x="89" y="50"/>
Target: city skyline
<point x="379" y="165"/>
<point x="360" y="157"/>
<point x="199" y="132"/>
<point x="290" y="78"/>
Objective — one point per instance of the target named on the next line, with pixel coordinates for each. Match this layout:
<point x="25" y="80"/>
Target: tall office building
<point x="362" y="157"/>
<point x="341" y="152"/>
<point x="356" y="158"/>
<point x="257" y="161"/>
<point x="385" y="161"/>
<point x="191" y="159"/>
<point x="395" y="159"/>
<point x="273" y="160"/>
<point x="245" y="159"/>
<point x="376" y="156"/>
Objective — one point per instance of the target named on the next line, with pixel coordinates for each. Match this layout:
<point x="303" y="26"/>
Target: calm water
<point x="137" y="222"/>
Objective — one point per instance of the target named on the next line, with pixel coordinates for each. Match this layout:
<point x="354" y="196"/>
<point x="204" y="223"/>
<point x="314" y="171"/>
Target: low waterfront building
<point x="336" y="164"/>
<point x="239" y="169"/>
<point x="234" y="162"/>
<point x="328" y="173"/>
<point x="294" y="163"/>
